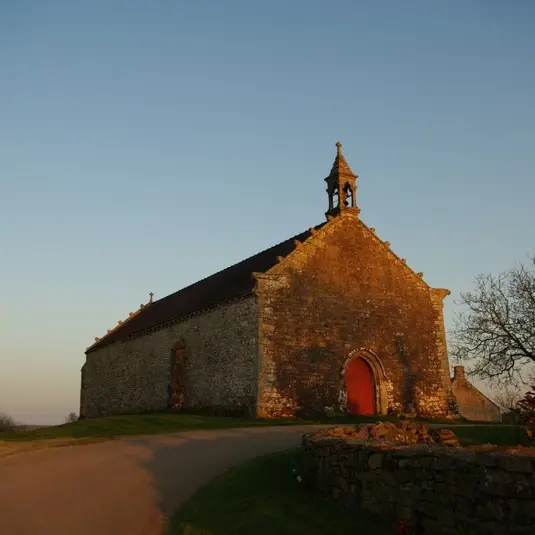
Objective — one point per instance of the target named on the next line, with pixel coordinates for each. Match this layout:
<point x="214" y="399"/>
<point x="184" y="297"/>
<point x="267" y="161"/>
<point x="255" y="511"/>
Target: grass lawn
<point x="164" y="422"/>
<point x="262" y="497"/>
<point x="137" y="424"/>
<point x="151" y="423"/>
<point x="499" y="435"/>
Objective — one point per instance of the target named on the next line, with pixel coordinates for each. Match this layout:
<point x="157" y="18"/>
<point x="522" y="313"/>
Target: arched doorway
<point x="360" y="387"/>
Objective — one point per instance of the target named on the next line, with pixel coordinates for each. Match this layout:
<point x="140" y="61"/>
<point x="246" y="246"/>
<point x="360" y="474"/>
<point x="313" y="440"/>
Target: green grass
<point x="165" y="422"/>
<point x="499" y="435"/>
<point x="137" y="424"/>
<point x="169" y="422"/>
<point x="262" y="497"/>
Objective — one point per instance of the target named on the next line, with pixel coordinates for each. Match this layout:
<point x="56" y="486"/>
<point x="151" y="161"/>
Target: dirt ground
<point x="120" y="487"/>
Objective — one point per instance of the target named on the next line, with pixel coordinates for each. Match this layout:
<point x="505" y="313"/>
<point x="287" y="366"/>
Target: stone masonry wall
<point x="472" y="404"/>
<point x="433" y="490"/>
<point x="220" y="366"/>
<point x="341" y="292"/>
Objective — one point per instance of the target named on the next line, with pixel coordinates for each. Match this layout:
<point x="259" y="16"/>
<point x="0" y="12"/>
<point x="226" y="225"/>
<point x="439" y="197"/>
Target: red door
<point x="360" y="388"/>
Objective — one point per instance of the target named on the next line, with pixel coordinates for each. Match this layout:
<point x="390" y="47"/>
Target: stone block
<point x="375" y="461"/>
<point x="135" y="375"/>
<point x="468" y="495"/>
<point x="492" y="509"/>
<point x="517" y="463"/>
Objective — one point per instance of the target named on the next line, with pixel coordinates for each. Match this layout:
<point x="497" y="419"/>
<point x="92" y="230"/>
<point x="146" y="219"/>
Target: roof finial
<point x="338" y="148"/>
<point x="151" y="295"/>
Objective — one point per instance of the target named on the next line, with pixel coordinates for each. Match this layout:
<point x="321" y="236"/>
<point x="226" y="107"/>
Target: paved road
<point x="124" y="487"/>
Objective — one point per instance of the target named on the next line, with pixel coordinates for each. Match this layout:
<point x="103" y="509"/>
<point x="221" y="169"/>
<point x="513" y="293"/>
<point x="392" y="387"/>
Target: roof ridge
<point x="474" y="387"/>
<point x="120" y="323"/>
<point x="313" y="234"/>
<point x="403" y="261"/>
<point x="201" y="293"/>
<point x="240" y="262"/>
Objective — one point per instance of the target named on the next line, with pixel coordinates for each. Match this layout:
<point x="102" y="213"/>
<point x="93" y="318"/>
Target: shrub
<point x="72" y="417"/>
<point x="6" y="423"/>
<point x="526" y="410"/>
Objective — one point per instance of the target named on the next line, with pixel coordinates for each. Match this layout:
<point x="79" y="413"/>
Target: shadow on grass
<point x="179" y="465"/>
<point x="263" y="497"/>
<point x="499" y="435"/>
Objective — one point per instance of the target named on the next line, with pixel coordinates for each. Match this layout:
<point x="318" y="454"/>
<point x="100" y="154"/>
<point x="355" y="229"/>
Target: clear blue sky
<point x="145" y="145"/>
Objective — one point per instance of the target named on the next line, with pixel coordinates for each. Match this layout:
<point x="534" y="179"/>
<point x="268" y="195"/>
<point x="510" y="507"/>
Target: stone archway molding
<point x="379" y="374"/>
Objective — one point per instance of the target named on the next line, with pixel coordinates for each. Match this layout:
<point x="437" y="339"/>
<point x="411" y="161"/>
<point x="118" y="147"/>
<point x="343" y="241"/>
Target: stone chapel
<point x="329" y="319"/>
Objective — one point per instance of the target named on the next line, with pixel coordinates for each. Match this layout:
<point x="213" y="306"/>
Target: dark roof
<point x="234" y="281"/>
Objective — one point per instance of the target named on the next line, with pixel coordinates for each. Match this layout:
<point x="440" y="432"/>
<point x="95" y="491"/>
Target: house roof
<point x="234" y="281"/>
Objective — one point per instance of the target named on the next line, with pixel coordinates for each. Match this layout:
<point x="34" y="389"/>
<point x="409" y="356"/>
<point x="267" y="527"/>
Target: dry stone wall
<point x="431" y="489"/>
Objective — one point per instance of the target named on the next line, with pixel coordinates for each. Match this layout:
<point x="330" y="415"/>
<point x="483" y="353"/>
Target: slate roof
<point x="234" y="281"/>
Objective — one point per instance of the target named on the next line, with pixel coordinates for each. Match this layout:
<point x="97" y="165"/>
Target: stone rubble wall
<point x="220" y="368"/>
<point x="403" y="432"/>
<point x="344" y="294"/>
<point x="433" y="489"/>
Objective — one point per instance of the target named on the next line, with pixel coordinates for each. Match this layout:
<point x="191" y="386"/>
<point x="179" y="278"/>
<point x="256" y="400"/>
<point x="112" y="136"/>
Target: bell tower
<point x="341" y="186"/>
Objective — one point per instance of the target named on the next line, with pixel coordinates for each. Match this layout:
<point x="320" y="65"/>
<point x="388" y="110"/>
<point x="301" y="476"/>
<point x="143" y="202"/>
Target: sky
<point x="146" y="145"/>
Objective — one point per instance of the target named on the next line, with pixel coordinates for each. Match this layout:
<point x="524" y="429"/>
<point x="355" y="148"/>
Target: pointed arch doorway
<point x="360" y="387"/>
<point x="364" y="384"/>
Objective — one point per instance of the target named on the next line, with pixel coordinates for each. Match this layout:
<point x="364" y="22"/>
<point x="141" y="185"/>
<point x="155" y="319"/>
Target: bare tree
<point x="507" y="398"/>
<point x="496" y="331"/>
<point x="6" y="423"/>
<point x="72" y="417"/>
<point x="530" y="381"/>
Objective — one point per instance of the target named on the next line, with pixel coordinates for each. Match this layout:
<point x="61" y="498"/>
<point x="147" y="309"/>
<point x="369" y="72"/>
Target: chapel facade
<point x="329" y="318"/>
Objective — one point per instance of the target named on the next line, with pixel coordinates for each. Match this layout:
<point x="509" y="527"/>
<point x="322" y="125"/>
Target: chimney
<point x="458" y="372"/>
